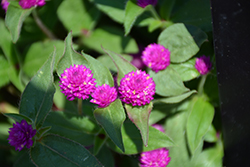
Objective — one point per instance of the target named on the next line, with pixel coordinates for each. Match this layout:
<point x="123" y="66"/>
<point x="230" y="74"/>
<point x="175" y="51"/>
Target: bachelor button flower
<point x="137" y="88"/>
<point x="144" y="3"/>
<point x="203" y="65"/>
<point x="26" y="4"/>
<point x="77" y="82"/>
<point x="5" y="5"/>
<point x="104" y="95"/>
<point x="156" y="56"/>
<point x="158" y="157"/>
<point x="21" y="134"/>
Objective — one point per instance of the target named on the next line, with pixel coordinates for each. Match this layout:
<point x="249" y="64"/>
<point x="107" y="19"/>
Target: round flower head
<point x="77" y="82"/>
<point x="136" y="88"/>
<point x="5" y="5"/>
<point x="156" y="56"/>
<point x="144" y="3"/>
<point x="159" y="127"/>
<point x="21" y="134"/>
<point x="203" y="65"/>
<point x="158" y="157"/>
<point x="26" y="4"/>
<point x="104" y="95"/>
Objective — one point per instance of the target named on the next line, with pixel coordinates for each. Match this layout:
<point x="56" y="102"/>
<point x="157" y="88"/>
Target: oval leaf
<point x="111" y="119"/>
<point x="18" y="117"/>
<point x="139" y="115"/>
<point x="198" y="122"/>
<point x="54" y="150"/>
<point x="14" y="19"/>
<point x="179" y="41"/>
<point x="133" y="143"/>
<point x="168" y="82"/>
<point x="70" y="56"/>
<point x="37" y="98"/>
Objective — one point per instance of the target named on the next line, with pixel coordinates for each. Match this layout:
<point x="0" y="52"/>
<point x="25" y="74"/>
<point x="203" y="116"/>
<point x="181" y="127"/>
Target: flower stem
<point x="154" y="13"/>
<point x="80" y="106"/>
<point x="201" y="84"/>
<point x="40" y="24"/>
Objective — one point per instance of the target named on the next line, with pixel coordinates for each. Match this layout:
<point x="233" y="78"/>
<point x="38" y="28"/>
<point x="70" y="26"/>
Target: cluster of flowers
<point x="25" y="4"/>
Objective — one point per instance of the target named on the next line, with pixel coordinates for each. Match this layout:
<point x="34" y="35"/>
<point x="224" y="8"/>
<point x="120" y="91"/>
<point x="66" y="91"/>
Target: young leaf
<point x="18" y="117"/>
<point x="122" y="65"/>
<point x="55" y="150"/>
<point x="179" y="41"/>
<point x="175" y="99"/>
<point x="139" y="115"/>
<point x="198" y="122"/>
<point x="14" y="19"/>
<point x="37" y="98"/>
<point x="4" y="68"/>
<point x="168" y="82"/>
<point x="186" y="70"/>
<point x="70" y="56"/>
<point x="132" y="11"/>
<point x="133" y="143"/>
<point x="111" y="119"/>
<point x="101" y="73"/>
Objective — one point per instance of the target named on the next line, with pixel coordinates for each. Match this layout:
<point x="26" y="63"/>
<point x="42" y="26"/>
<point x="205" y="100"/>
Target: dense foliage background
<point x="37" y="44"/>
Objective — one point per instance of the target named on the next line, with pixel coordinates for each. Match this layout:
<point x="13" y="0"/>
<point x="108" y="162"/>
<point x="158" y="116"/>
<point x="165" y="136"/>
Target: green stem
<point x="201" y="84"/>
<point x="40" y="24"/>
<point x="154" y="13"/>
<point x="80" y="106"/>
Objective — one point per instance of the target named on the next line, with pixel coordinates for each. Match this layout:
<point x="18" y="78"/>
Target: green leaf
<point x="186" y="70"/>
<point x="23" y="159"/>
<point x="100" y="140"/>
<point x="122" y="65"/>
<point x="168" y="82"/>
<point x="83" y="17"/>
<point x="111" y="119"/>
<point x="14" y="19"/>
<point x="18" y="117"/>
<point x="42" y="131"/>
<point x="133" y="143"/>
<point x="139" y="115"/>
<point x="179" y="41"/>
<point x="166" y="9"/>
<point x="132" y="11"/>
<point x="111" y="38"/>
<point x="105" y="157"/>
<point x="78" y="128"/>
<point x="199" y="36"/>
<point x="191" y="8"/>
<point x="101" y="73"/>
<point x="114" y="9"/>
<point x="154" y="25"/>
<point x="107" y="61"/>
<point x="54" y="150"/>
<point x="175" y="99"/>
<point x="38" y="53"/>
<point x="37" y="98"/>
<point x="175" y="128"/>
<point x="211" y="135"/>
<point x="199" y="120"/>
<point x="70" y="56"/>
<point x="4" y="69"/>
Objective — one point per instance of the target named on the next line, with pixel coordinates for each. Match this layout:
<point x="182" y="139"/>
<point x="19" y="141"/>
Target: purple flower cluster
<point x="26" y="4"/>
<point x="104" y="95"/>
<point x="144" y="3"/>
<point x="77" y="82"/>
<point x="137" y="88"/>
<point x="156" y="56"/>
<point x="203" y="65"/>
<point x="5" y="4"/>
<point x="21" y="134"/>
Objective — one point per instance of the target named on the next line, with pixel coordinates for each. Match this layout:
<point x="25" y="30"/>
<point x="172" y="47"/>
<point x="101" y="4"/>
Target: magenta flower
<point x="203" y="65"/>
<point x="144" y="3"/>
<point x="21" y="134"/>
<point x="155" y="158"/>
<point x="156" y="56"/>
<point x="5" y="5"/>
<point x="77" y="82"/>
<point x="26" y="4"/>
<point x="159" y="127"/>
<point x="137" y="88"/>
<point x="104" y="95"/>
